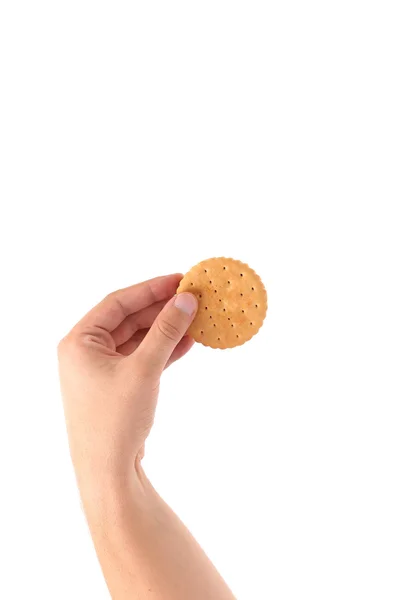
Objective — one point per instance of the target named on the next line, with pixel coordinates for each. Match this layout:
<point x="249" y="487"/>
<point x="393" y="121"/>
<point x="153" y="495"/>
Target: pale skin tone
<point x="110" y="368"/>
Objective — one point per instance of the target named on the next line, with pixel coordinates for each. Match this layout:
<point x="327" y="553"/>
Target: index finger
<point x="115" y="307"/>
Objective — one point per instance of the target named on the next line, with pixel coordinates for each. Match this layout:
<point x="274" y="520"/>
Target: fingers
<point x="130" y="345"/>
<point x="140" y="320"/>
<point x="182" y="348"/>
<point x="116" y="307"/>
<point x="165" y="334"/>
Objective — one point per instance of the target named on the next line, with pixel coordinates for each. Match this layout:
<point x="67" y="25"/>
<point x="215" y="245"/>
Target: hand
<point x="110" y="367"/>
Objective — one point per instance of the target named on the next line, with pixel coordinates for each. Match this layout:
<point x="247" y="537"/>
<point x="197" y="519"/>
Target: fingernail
<point x="187" y="303"/>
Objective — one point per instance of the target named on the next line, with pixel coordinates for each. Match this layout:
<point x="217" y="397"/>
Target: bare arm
<point x="110" y="366"/>
<point x="145" y="551"/>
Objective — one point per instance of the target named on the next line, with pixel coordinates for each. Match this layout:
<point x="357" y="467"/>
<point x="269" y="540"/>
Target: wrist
<point x="112" y="490"/>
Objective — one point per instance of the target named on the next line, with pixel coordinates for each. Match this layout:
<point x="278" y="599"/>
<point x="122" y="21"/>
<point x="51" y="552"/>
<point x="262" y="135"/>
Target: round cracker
<point x="232" y="302"/>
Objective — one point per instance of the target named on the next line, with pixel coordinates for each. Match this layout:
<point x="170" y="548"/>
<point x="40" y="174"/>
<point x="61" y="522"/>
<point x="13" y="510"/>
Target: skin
<point x="110" y="367"/>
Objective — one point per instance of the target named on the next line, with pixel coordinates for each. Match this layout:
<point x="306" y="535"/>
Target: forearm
<point x="145" y="551"/>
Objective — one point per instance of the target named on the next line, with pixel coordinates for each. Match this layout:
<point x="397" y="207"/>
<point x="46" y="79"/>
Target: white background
<point x="138" y="138"/>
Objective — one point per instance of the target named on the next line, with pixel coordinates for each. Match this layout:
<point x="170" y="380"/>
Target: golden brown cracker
<point x="232" y="302"/>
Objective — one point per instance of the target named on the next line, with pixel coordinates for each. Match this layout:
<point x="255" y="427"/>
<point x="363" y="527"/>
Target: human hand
<point x="110" y="367"/>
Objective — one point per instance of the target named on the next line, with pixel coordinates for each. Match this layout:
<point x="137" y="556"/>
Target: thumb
<point x="166" y="332"/>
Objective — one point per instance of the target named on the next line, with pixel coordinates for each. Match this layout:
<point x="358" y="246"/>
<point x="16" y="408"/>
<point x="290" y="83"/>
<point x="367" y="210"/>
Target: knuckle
<point x="168" y="330"/>
<point x="114" y="299"/>
<point x="62" y="346"/>
<point x="66" y="345"/>
<point x="109" y="296"/>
